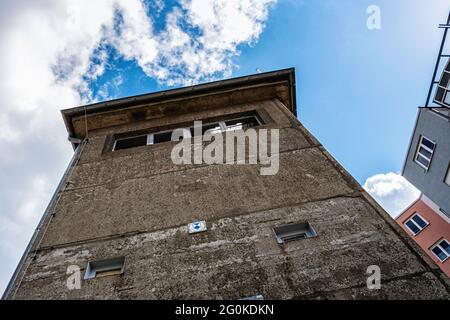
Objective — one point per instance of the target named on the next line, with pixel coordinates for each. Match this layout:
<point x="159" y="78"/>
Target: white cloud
<point x="222" y="27"/>
<point x="392" y="191"/>
<point x="51" y="50"/>
<point x="16" y="229"/>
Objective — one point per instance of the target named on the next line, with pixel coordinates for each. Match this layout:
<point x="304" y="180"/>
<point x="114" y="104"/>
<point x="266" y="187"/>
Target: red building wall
<point x="437" y="229"/>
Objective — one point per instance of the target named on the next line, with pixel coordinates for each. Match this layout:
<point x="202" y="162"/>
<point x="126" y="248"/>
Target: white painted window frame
<point x="421" y="145"/>
<point x="438" y="244"/>
<point x="415" y="223"/>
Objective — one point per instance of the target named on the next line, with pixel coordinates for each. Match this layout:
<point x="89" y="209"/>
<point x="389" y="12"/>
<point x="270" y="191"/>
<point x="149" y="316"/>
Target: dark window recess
<point x="415" y="229"/>
<point x="439" y="253"/>
<point x="419" y="221"/>
<point x="212" y="128"/>
<point x="103" y="268"/>
<point x="162" y="137"/>
<point x="291" y="232"/>
<point x="428" y="143"/>
<point x="445" y="245"/>
<point x="440" y="92"/>
<point x="132" y="142"/>
<point x="445" y="79"/>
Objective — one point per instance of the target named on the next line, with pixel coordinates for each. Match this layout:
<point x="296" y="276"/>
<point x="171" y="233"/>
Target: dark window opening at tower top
<point x="240" y="123"/>
<point x="162" y="137"/>
<point x="132" y="142"/>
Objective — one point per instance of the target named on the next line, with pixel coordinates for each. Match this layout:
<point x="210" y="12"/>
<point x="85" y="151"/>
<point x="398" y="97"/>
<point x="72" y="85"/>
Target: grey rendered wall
<point x="431" y="182"/>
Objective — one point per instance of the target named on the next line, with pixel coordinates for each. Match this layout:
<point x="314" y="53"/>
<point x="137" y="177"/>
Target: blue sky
<point x="357" y="89"/>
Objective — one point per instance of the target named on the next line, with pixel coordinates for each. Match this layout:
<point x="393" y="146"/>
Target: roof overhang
<point x="285" y="78"/>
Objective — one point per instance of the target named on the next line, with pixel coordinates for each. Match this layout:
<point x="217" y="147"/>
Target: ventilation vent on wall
<point x="103" y="268"/>
<point x="295" y="231"/>
<point x="442" y="96"/>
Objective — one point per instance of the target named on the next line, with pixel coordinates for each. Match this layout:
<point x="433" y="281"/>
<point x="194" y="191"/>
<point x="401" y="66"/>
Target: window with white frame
<point x="240" y="123"/>
<point x="416" y="223"/>
<point x="425" y="152"/>
<point x="441" y="250"/>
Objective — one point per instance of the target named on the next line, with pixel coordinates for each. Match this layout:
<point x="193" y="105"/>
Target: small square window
<point x="416" y="223"/>
<point x="295" y="231"/>
<point x="103" y="268"/>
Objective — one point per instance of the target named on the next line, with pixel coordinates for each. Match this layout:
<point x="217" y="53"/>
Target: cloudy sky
<point x="358" y="89"/>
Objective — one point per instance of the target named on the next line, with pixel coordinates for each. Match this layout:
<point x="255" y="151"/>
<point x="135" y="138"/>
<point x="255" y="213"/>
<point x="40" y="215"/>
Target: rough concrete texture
<point x="238" y="257"/>
<point x="136" y="203"/>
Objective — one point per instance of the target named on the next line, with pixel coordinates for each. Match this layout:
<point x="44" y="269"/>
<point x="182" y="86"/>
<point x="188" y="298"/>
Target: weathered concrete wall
<point x="238" y="257"/>
<point x="136" y="203"/>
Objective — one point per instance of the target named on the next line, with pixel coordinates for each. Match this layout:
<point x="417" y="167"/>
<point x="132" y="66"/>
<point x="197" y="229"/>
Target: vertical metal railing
<point x="441" y="55"/>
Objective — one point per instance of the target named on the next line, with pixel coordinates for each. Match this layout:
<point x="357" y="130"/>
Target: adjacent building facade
<point x="427" y="167"/>
<point x="429" y="227"/>
<point x="428" y="159"/>
<point x="126" y="222"/>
